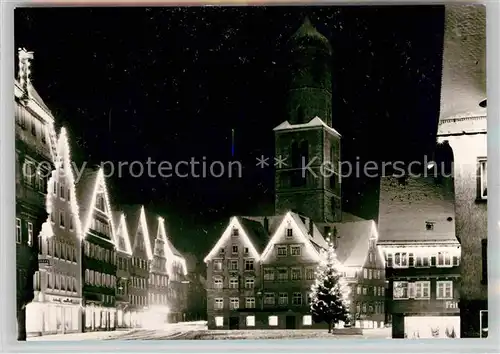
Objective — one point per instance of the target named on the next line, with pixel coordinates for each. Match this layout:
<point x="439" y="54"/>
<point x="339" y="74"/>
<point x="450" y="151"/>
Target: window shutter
<point x="484" y="253"/>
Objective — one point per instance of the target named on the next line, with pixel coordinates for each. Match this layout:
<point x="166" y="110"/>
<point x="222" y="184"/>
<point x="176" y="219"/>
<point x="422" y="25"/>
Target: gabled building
<point x="56" y="307"/>
<point x="462" y="134"/>
<point x="139" y="266"/>
<point x="417" y="235"/>
<point x="364" y="269"/>
<point x="99" y="252"/>
<point x="159" y="268"/>
<point x="35" y="146"/>
<point x="233" y="273"/>
<point x="260" y="272"/>
<point x="123" y="263"/>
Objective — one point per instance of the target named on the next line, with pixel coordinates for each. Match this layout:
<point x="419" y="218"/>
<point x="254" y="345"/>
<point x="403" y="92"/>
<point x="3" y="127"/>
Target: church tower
<point x="307" y="181"/>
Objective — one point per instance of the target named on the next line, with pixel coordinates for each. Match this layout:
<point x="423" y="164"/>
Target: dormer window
<point x="289" y="232"/>
<point x="236" y="232"/>
<point x="429" y="225"/>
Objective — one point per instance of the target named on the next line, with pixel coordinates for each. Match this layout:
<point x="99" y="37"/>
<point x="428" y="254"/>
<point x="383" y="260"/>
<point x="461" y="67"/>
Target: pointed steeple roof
<point x="309" y="35"/>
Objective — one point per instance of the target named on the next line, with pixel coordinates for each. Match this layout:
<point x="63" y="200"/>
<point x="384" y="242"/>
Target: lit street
<point x="198" y="330"/>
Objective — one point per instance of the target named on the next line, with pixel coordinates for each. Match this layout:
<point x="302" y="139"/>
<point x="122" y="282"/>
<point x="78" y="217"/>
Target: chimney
<point x="311" y="227"/>
<point x="24" y="73"/>
<point x="266" y="224"/>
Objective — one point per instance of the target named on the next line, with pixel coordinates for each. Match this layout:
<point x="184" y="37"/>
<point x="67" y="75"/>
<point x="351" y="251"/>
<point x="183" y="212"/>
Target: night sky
<point x="171" y="84"/>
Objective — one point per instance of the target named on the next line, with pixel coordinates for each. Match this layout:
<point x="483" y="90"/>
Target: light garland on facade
<point x="100" y="182"/>
<point x="234" y="223"/>
<point x="172" y="256"/>
<point x="280" y="232"/>
<point x="122" y="231"/>
<point x="145" y="233"/>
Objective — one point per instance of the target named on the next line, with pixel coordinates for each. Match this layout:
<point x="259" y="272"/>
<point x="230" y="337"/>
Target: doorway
<point x="234" y="323"/>
<point x="290" y="322"/>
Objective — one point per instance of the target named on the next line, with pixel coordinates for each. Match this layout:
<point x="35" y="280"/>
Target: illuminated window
<point x="365" y="291"/>
<point x="370" y="273"/>
<point x="268" y="274"/>
<point x="422" y="289"/>
<point x="250" y="321"/>
<point x="297" y="299"/>
<point x="18" y="230"/>
<point x="219" y="303"/>
<point x="307" y="320"/>
<point x="444" y="259"/>
<point x="374" y="291"/>
<point x="482" y="179"/>
<point x="444" y="290"/>
<point x="289" y="232"/>
<point x="249" y="283"/>
<point x="233" y="283"/>
<point x="249" y="264"/>
<point x="273" y="320"/>
<point x="309" y="273"/>
<point x="365" y="273"/>
<point x="364" y="308"/>
<point x="295" y="250"/>
<point x="234" y="303"/>
<point x="370" y="257"/>
<point x="218" y="265"/>
<point x="400" y="290"/>
<point x="219" y="321"/>
<point x="269" y="299"/>
<point x="358" y="289"/>
<point x="281" y="251"/>
<point x="400" y="260"/>
<point x="282" y="274"/>
<point x="250" y="302"/>
<point x="283" y="299"/>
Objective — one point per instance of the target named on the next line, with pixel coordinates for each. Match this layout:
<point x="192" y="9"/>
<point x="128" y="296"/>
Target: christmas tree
<point x="330" y="291"/>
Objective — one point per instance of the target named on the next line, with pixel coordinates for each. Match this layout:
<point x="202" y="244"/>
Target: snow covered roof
<point x="313" y="123"/>
<point x="406" y="209"/>
<point x="464" y="61"/>
<point x="353" y="241"/>
<point x="132" y="216"/>
<point x="85" y="192"/>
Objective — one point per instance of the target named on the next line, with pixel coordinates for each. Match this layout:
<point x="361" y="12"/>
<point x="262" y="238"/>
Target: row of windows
<point x="137" y="300"/>
<point x="33" y="177"/>
<point x="138" y="282"/>
<point x="272" y="321"/>
<point x="100" y="253"/>
<point x="158" y="280"/>
<point x="100" y="226"/>
<point x="365" y="290"/>
<point x="139" y="263"/>
<point x="282" y="250"/>
<point x="233" y="283"/>
<point x="271" y="299"/>
<point x="99" y="279"/>
<point x="57" y="249"/>
<point x="235" y="249"/>
<point x="61" y="282"/>
<point x="370" y="308"/>
<point x="284" y="274"/>
<point x="233" y="265"/>
<point x="158" y="299"/>
<point x="62" y="219"/>
<point x="371" y="273"/>
<point x="59" y="189"/>
<point x="406" y="260"/>
<point x="421" y="290"/>
<point x="122" y="263"/>
<point x="36" y="127"/>
<point x="19" y="231"/>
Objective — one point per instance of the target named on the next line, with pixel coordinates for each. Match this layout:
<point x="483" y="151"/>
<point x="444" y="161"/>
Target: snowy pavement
<point x="198" y="330"/>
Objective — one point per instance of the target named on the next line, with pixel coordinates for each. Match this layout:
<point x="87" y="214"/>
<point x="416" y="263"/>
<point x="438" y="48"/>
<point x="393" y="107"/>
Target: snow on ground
<point x="72" y="337"/>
